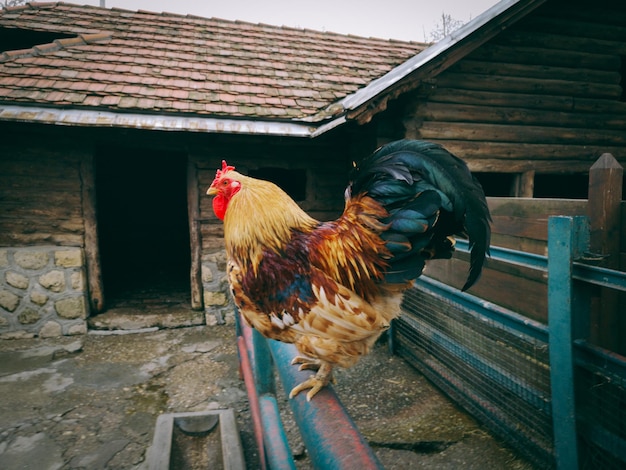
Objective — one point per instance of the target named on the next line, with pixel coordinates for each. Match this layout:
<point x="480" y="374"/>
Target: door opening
<point x="143" y="229"/>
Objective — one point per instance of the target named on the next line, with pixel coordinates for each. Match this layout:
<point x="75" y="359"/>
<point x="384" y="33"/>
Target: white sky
<point x="409" y="20"/>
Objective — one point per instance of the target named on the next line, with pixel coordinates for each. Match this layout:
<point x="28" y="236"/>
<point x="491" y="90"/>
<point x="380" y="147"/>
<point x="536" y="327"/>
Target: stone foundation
<point x="43" y="292"/>
<point x="218" y="305"/>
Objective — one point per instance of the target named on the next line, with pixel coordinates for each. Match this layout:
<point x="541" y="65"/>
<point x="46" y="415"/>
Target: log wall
<point x="40" y="198"/>
<point x="545" y="95"/>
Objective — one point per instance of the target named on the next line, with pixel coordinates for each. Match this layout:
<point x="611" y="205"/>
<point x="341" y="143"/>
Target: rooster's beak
<point x="211" y="191"/>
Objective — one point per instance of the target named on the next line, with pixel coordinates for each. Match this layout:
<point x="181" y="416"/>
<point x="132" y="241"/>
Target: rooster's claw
<point x="315" y="382"/>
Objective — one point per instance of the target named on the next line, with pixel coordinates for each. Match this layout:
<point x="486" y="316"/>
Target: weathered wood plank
<point x="580" y="27"/>
<point x="604" y="206"/>
<point x="529" y="85"/>
<point x="524" y="184"/>
<point x="512" y="133"/>
<point x="22" y="209"/>
<point x="522" y="151"/>
<point x="521" y="223"/>
<point x="486" y="113"/>
<point x="513" y="242"/>
<point x="558" y="41"/>
<point x="515" y="166"/>
<point x="193" y="213"/>
<point x="64" y="181"/>
<point x="548" y="72"/>
<point x="605" y="196"/>
<point x="49" y="237"/>
<point x="525" y="54"/>
<point x="528" y="100"/>
<point x="92" y="252"/>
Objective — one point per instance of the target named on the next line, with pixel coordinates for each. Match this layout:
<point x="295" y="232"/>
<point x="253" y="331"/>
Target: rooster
<point x="332" y="288"/>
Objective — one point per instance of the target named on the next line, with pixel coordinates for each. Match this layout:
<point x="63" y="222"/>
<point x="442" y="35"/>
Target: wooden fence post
<point x="604" y="200"/>
<point x="524" y="184"/>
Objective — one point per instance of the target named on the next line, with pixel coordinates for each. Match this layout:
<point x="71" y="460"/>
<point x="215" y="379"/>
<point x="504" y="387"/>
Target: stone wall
<point x="42" y="292"/>
<point x="218" y="305"/>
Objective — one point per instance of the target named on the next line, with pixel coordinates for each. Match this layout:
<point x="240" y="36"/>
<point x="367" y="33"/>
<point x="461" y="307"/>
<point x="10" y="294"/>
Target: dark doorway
<point x="143" y="227"/>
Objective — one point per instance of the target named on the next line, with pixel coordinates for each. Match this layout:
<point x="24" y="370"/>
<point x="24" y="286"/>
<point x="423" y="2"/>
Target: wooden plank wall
<point x="40" y="198"/>
<point x="521" y="224"/>
<point x="543" y="96"/>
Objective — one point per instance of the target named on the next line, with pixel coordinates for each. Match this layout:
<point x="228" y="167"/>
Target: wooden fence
<point x="522" y="224"/>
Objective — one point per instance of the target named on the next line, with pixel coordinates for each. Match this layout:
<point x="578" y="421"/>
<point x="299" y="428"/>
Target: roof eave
<point x="96" y="118"/>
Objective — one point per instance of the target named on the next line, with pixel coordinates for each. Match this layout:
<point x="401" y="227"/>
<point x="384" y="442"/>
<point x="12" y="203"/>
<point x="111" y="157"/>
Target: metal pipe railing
<point x="331" y="438"/>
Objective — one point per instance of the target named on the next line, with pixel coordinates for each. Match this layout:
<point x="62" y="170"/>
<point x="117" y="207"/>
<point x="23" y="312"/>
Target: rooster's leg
<point x="315" y="382"/>
<point x="306" y="363"/>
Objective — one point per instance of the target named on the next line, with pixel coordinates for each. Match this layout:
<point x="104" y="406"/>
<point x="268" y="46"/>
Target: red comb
<point x="225" y="168"/>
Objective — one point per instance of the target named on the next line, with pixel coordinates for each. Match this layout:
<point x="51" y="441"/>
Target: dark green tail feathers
<point x="430" y="195"/>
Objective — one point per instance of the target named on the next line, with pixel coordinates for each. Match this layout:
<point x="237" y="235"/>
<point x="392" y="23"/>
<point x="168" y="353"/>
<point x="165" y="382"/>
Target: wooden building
<point x="114" y="122"/>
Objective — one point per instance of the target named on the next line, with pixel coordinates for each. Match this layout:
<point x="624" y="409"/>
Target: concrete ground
<point x="91" y="402"/>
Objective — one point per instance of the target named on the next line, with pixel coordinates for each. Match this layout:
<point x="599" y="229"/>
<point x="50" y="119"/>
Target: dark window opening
<point x="143" y="227"/>
<point x="496" y="184"/>
<point x="573" y="186"/>
<point x="12" y="39"/>
<point x="293" y="182"/>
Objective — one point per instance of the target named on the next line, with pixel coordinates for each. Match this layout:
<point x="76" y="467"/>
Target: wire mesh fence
<point x="601" y="411"/>
<point x="502" y="377"/>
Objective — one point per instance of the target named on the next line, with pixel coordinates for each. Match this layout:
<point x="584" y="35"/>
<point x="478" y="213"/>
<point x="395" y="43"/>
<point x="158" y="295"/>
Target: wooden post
<point x="195" y="238"/>
<point x="605" y="196"/>
<point x="92" y="253"/>
<point x="524" y="184"/>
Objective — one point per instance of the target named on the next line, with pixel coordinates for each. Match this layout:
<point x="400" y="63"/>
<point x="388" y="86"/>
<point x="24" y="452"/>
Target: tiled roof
<point x="114" y="60"/>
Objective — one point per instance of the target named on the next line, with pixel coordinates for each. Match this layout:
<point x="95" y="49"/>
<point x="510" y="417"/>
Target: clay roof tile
<point x="141" y="61"/>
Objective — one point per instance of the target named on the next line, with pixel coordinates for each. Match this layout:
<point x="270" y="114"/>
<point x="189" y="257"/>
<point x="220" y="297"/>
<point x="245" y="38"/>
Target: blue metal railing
<point x="596" y="275"/>
<point x="331" y="438"/>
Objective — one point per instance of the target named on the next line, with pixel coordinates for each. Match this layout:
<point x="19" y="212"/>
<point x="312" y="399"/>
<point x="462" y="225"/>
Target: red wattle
<point x="219" y="206"/>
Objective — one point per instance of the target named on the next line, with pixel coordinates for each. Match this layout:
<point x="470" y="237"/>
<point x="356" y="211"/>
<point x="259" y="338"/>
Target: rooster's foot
<point x="315" y="382"/>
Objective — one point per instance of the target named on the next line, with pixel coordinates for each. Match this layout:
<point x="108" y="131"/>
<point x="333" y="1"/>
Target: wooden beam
<point x="524" y="184"/>
<point x="519" y="133"/>
<point x="526" y="54"/>
<point x="511" y="115"/>
<point x="536" y="86"/>
<point x="195" y="237"/>
<point x="92" y="253"/>
<point x="526" y="100"/>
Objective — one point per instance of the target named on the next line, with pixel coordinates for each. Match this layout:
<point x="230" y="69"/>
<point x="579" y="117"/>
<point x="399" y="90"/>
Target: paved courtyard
<point x="91" y="402"/>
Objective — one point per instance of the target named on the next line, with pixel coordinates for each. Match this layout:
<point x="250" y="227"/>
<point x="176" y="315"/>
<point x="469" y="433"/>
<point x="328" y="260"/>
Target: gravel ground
<point x="92" y="402"/>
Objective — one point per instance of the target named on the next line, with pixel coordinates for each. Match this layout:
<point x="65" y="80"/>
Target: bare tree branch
<point x="444" y="27"/>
